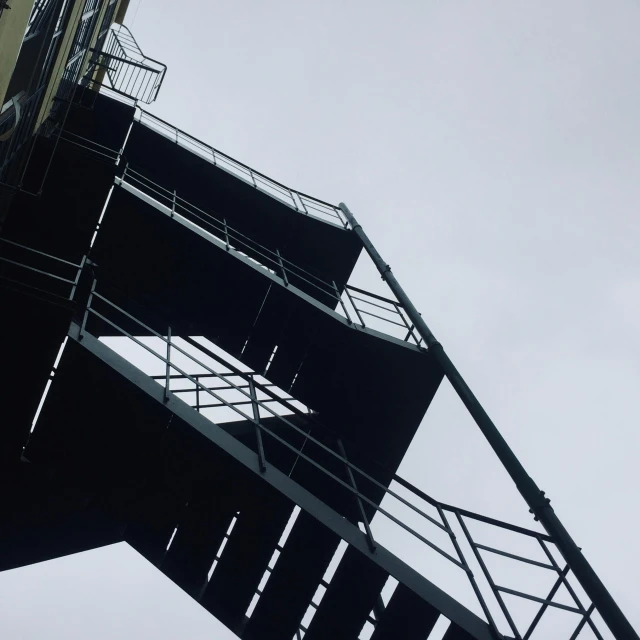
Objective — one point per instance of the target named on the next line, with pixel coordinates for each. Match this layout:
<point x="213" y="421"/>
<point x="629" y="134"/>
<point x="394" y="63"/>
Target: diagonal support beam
<point x="534" y="497"/>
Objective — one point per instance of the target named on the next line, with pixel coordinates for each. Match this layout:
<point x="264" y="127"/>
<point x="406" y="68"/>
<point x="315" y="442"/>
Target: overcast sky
<point x="489" y="149"/>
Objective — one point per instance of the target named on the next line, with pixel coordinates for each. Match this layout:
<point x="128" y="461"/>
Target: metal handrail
<point x="129" y="71"/>
<point x="299" y="201"/>
<point x="60" y="271"/>
<point x="272" y="260"/>
<point x="458" y="558"/>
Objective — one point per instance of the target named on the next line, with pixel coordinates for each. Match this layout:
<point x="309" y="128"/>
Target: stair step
<point x="246" y="555"/>
<point x="293" y="582"/>
<point x="350" y="597"/>
<point x="407" y="616"/>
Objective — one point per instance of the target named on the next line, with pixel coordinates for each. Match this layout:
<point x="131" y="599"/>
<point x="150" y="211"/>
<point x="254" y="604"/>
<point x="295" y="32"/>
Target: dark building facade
<point x="188" y="367"/>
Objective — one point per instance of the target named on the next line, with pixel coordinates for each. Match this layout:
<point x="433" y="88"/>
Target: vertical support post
<point x="472" y="579"/>
<point x="168" y="367"/>
<point x="353" y="304"/>
<point x="370" y="541"/>
<point x="226" y="234"/>
<point x="256" y="416"/>
<point x="293" y="199"/>
<point x="533" y="496"/>
<point x="197" y="377"/>
<point x="344" y="308"/>
<point x="284" y="271"/>
<point x="173" y="204"/>
<point x="304" y="206"/>
<point x="77" y="278"/>
<point x="487" y="575"/>
<point x="86" y="310"/>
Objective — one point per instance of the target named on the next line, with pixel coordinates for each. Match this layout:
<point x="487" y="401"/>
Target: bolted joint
<point x="541" y="503"/>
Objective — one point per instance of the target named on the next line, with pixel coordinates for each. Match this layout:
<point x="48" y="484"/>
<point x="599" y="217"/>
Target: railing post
<point x="488" y="576"/>
<point x="370" y="541"/>
<point x="284" y="271"/>
<point x="256" y="416"/>
<point x="353" y="304"/>
<point x="168" y="367"/>
<point x="86" y="310"/>
<point x="295" y="204"/>
<point x="472" y="579"/>
<point x="344" y="308"/>
<point x="226" y="234"/>
<point x="77" y="278"/>
<point x="173" y="204"/>
<point x="83" y="288"/>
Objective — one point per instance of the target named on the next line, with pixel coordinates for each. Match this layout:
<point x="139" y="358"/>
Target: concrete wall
<point x="13" y="24"/>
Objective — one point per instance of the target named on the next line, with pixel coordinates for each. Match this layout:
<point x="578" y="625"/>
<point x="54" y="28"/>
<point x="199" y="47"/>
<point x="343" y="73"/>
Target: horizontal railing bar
<point x="494" y="522"/>
<point x="44" y="273"/>
<point x="67" y="300"/>
<point x="97" y="144"/>
<point x="113" y="157"/>
<point x="42" y="253"/>
<point x="194" y="375"/>
<point x="515" y="557"/>
<point x="528" y="596"/>
<point x="383" y="319"/>
<point x="226" y="403"/>
<point x="379" y="306"/>
<point x="241" y="164"/>
<point x="373" y="295"/>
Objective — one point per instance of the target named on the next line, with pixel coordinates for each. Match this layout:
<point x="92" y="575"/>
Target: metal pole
<point x="539" y="505"/>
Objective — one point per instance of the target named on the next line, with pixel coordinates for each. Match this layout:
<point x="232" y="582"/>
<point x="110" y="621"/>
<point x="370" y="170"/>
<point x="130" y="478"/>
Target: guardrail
<point x="464" y="553"/>
<point x="353" y="303"/>
<point x="301" y="202"/>
<point x="128" y="70"/>
<point x="38" y="273"/>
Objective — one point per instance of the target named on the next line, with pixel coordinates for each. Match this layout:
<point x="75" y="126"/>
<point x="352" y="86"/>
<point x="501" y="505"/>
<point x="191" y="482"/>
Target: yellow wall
<point x="63" y="54"/>
<point x="13" y="24"/>
<point x="61" y="61"/>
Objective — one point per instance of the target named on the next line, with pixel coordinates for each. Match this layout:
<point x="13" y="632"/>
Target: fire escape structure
<point x="189" y="367"/>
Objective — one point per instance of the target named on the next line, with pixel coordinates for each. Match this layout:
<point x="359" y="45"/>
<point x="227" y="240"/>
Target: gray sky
<point x="490" y="151"/>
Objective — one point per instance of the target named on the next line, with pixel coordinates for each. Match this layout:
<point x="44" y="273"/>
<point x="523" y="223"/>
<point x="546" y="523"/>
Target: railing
<point x="218" y="411"/>
<point x="463" y="553"/>
<point x="16" y="129"/>
<point x="39" y="16"/>
<point x="299" y="201"/>
<point x="38" y="273"/>
<point x="350" y="302"/>
<point x="128" y="70"/>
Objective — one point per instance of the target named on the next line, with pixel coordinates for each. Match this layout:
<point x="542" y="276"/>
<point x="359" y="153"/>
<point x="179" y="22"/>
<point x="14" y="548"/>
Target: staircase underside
<point x="121" y="464"/>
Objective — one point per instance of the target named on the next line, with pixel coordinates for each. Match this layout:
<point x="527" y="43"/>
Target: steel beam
<point x="534" y="497"/>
